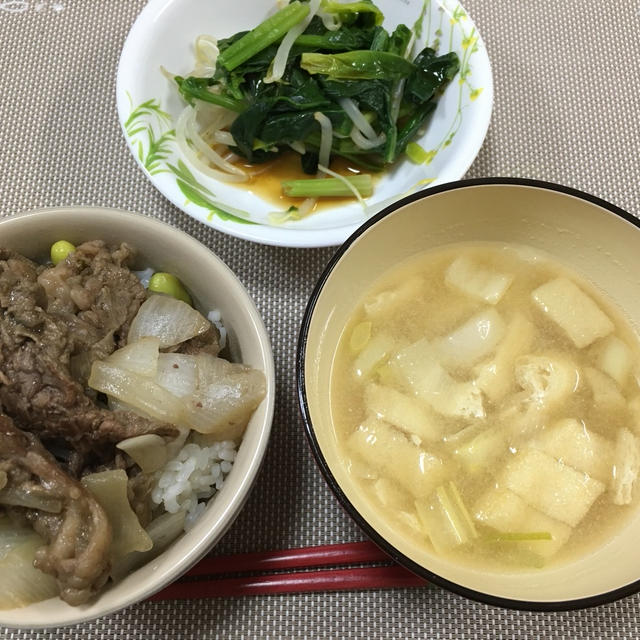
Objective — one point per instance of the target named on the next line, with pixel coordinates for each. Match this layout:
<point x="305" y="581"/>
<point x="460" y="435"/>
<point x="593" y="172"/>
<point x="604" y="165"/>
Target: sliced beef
<point x="139" y="490"/>
<point x="207" y="342"/>
<point x="96" y="296"/>
<point x="77" y="534"/>
<point x="51" y="318"/>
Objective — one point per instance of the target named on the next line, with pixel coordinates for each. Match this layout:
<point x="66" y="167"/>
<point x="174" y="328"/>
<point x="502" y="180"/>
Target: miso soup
<point x="486" y="401"/>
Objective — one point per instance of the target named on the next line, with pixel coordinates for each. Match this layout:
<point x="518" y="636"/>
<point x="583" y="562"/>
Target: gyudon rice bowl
<point x="120" y="417"/>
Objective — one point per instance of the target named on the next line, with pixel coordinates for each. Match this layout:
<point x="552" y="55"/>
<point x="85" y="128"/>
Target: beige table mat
<point x="566" y="110"/>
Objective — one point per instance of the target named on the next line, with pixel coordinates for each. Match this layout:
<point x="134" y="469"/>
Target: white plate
<point x="149" y="104"/>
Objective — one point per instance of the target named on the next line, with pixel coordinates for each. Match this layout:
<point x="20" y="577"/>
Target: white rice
<point x="196" y="473"/>
<point x="194" y="476"/>
<point x="144" y="276"/>
<point x="215" y="317"/>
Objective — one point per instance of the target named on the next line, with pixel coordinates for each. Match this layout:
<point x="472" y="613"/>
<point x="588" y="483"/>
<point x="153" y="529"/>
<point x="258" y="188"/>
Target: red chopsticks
<point x="305" y="557"/>
<point x="284" y="581"/>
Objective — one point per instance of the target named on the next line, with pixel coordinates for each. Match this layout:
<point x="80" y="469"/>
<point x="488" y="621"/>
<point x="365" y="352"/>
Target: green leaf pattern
<point x="469" y="39"/>
<point x="148" y="132"/>
<point x="198" y="194"/>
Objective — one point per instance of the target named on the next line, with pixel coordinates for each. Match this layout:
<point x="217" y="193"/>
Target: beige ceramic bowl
<point x="213" y="286"/>
<point x="593" y="237"/>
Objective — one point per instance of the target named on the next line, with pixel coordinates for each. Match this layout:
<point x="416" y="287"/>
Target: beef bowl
<point x="136" y="397"/>
<point x="469" y="378"/>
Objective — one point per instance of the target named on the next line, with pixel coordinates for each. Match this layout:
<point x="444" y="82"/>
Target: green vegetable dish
<point x="318" y="78"/>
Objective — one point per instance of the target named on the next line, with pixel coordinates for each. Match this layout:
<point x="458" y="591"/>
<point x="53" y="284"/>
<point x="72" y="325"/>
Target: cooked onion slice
<point x="140" y="356"/>
<point x="177" y="373"/>
<point x="117" y="405"/>
<point x="148" y="451"/>
<point x="135" y="390"/>
<point x="171" y="321"/>
<point x="162" y="531"/>
<point x="31" y="499"/>
<point x="110" y="489"/>
<point x="226" y="396"/>
<point x="20" y="582"/>
<point x="218" y="397"/>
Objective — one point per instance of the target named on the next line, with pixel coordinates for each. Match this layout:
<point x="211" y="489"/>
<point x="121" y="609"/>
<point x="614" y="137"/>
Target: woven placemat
<point x="566" y="110"/>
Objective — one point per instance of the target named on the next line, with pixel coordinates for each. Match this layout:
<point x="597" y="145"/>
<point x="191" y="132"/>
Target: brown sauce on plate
<point x="267" y="178"/>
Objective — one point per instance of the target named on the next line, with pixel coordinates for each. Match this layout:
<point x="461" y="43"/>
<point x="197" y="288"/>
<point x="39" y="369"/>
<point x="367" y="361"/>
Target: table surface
<point x="566" y="110"/>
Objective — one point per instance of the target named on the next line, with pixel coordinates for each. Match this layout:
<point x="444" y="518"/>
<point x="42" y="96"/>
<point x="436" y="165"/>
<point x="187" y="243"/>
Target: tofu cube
<point x="468" y="277"/>
<point x="495" y="377"/>
<point x="402" y="411"/>
<point x="614" y="357"/>
<point x="570" y="442"/>
<point x="391" y="453"/>
<point x="506" y="512"/>
<point x="419" y="368"/>
<point x="550" y="486"/>
<point x="482" y="451"/>
<point x="606" y="393"/>
<point x="573" y="311"/>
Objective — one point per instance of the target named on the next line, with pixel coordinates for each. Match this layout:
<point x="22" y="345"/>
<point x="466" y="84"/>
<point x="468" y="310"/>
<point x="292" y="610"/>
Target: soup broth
<point x="486" y="401"/>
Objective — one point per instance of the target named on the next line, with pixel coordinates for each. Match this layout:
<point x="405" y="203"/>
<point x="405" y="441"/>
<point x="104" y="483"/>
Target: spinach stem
<point x="266" y="33"/>
<point x="314" y="188"/>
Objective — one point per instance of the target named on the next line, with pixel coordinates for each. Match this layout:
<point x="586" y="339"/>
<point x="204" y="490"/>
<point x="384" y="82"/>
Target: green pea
<point x="168" y="284"/>
<point x="60" y="250"/>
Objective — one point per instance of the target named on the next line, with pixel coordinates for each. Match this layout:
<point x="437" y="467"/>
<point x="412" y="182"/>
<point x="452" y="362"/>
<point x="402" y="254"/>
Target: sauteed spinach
<point x="342" y="63"/>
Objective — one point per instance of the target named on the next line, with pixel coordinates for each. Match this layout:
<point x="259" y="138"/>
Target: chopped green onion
<point x="317" y="187"/>
<point x="446" y="519"/>
<point x="456" y="512"/>
<point x="360" y="336"/>
<point x="416" y="153"/>
<point x="520" y="536"/>
<point x="461" y="509"/>
<point x="266" y="33"/>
